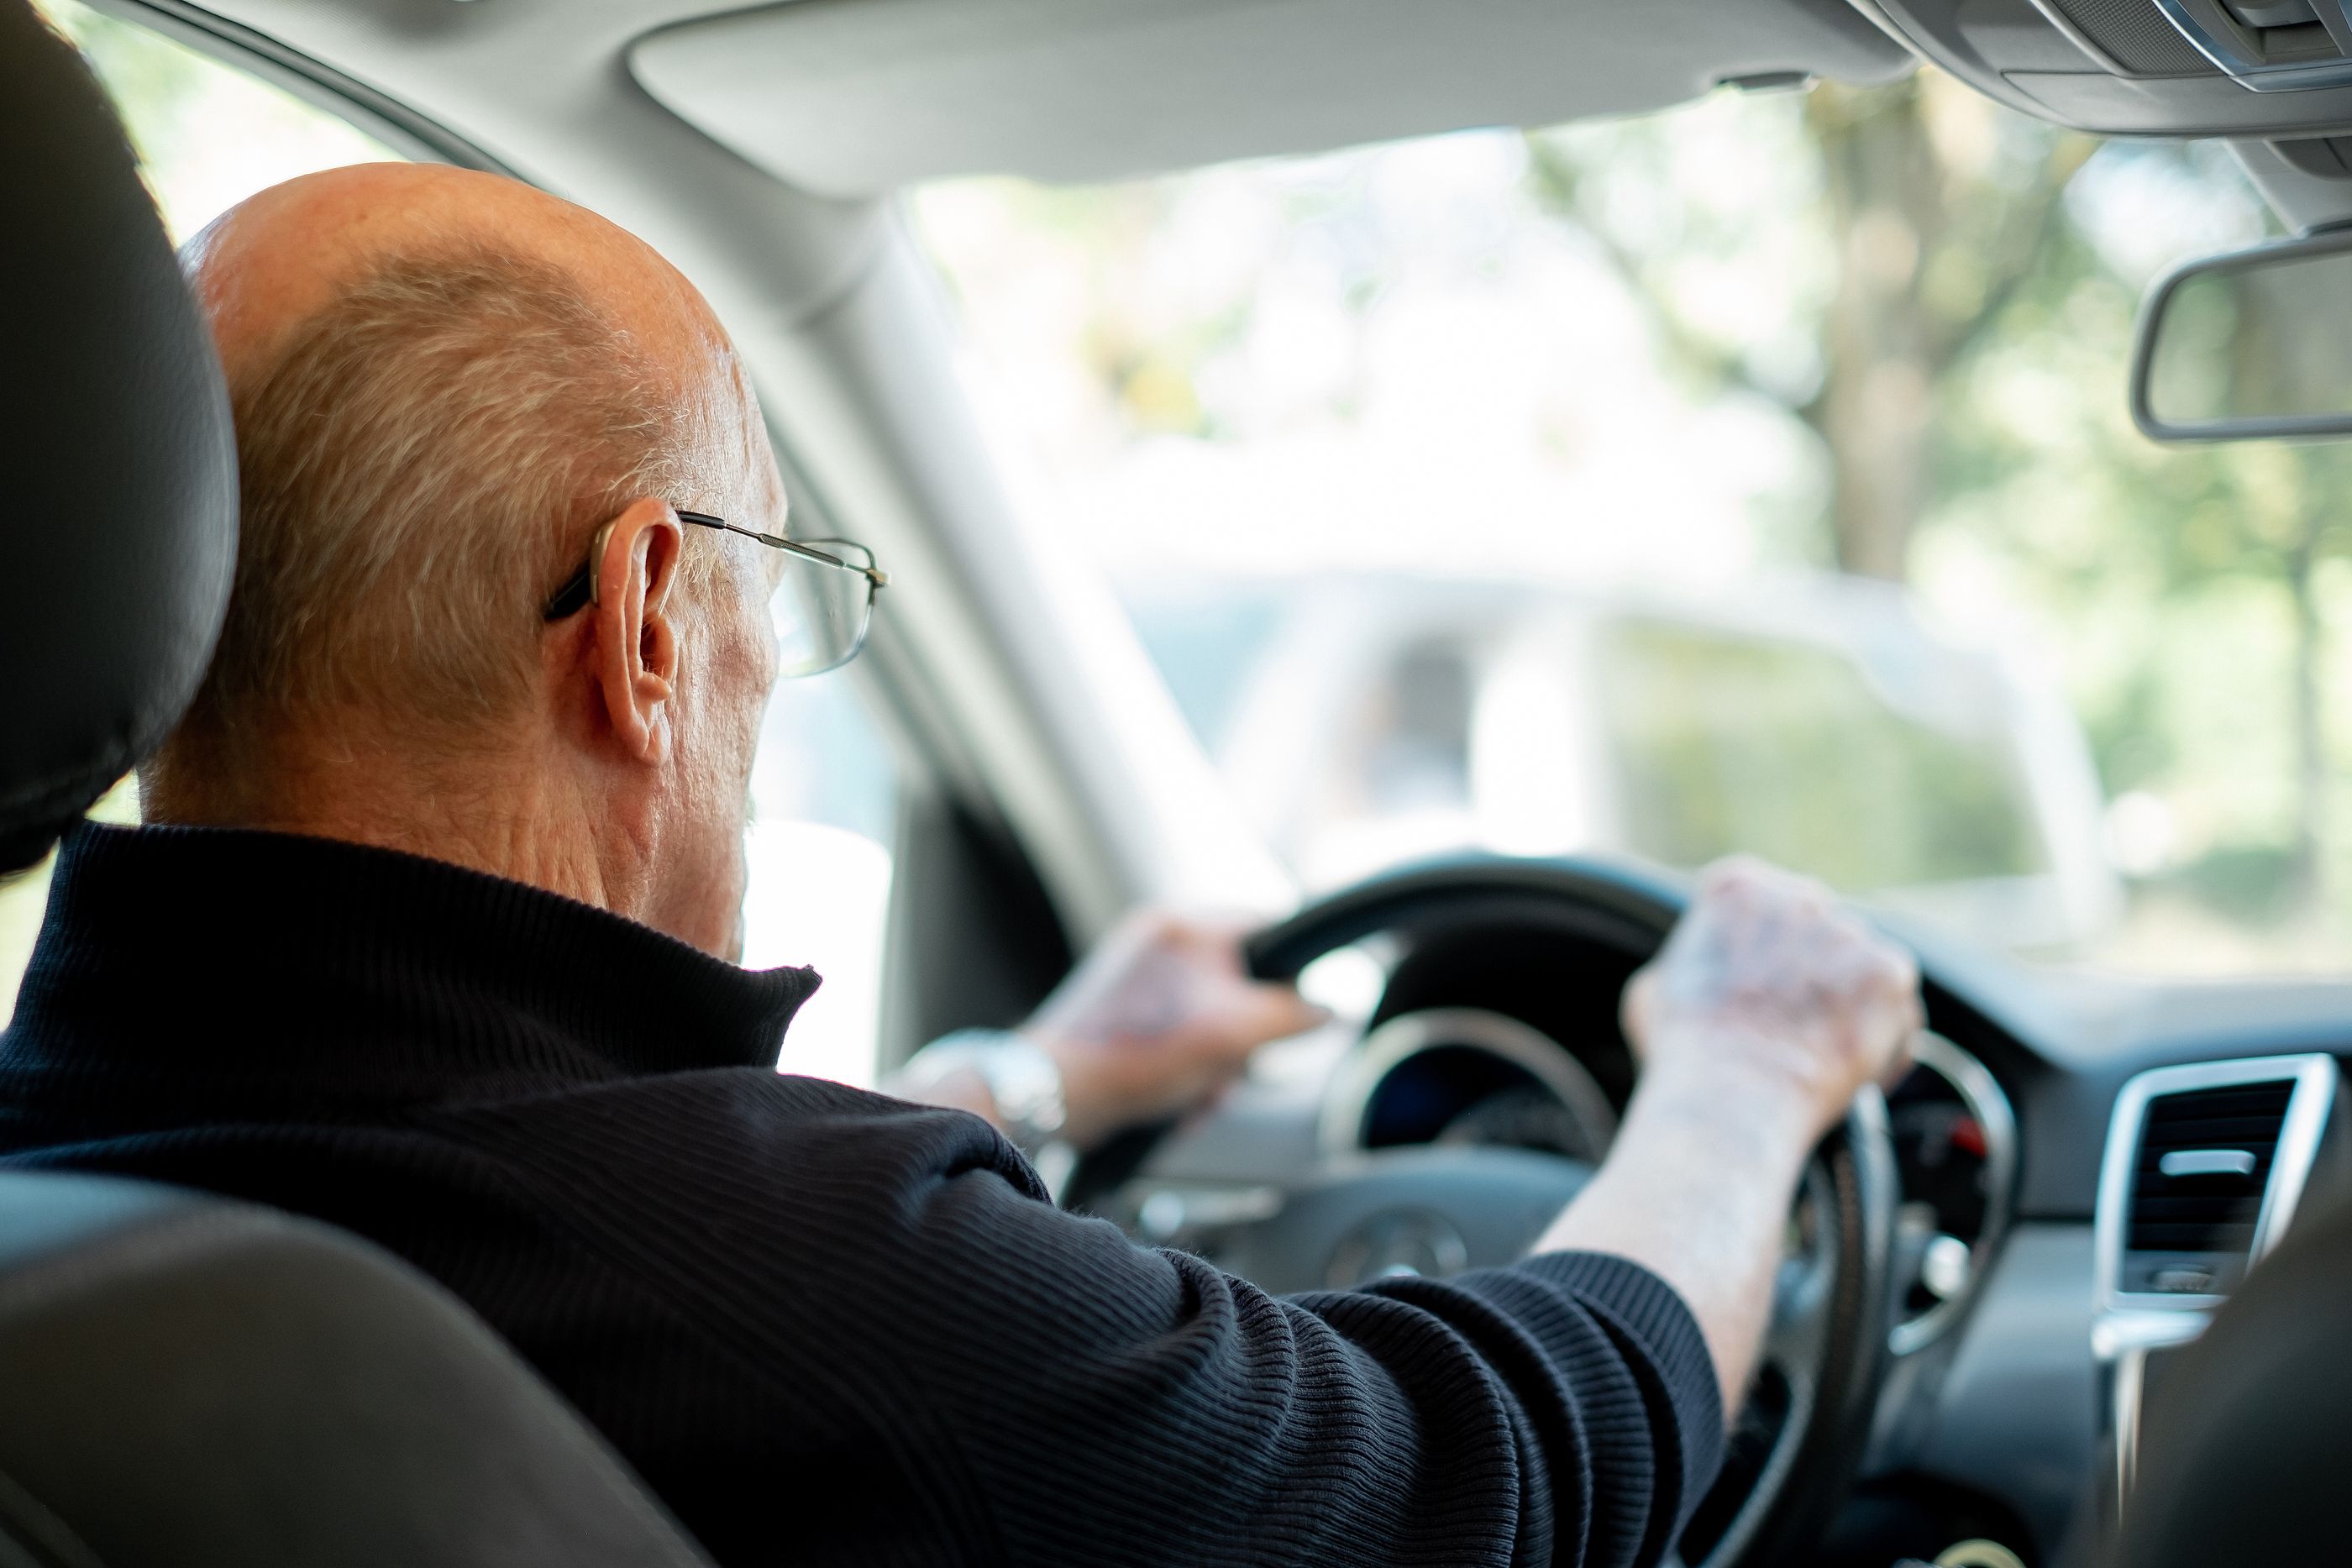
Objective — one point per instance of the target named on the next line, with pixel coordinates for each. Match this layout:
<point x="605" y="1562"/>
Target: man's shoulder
<point x="696" y="1136"/>
<point x="764" y="1205"/>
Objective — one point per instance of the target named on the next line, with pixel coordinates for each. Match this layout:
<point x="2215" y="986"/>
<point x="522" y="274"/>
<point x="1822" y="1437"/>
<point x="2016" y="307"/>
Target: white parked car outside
<point x="1367" y="719"/>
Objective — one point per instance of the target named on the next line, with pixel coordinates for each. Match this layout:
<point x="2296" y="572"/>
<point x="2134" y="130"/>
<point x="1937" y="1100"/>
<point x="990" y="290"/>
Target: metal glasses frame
<point x="581" y="588"/>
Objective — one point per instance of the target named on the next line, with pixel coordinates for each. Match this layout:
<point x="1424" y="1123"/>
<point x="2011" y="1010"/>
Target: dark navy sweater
<point x="825" y="1326"/>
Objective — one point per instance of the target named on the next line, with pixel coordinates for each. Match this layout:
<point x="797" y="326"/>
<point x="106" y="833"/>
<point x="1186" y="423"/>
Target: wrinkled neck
<point x="507" y="814"/>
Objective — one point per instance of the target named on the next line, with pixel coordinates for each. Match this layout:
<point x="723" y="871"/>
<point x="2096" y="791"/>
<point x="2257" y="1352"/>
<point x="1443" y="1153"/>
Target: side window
<point x="207" y="134"/>
<point x="825" y="787"/>
<point x="824" y="798"/>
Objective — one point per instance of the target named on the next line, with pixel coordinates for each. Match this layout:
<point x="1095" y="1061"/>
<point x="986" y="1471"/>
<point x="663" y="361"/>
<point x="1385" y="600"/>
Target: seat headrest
<point x="118" y="533"/>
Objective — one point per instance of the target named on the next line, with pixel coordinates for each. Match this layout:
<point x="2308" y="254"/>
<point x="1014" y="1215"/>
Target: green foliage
<point x="1726" y="743"/>
<point x="1969" y="298"/>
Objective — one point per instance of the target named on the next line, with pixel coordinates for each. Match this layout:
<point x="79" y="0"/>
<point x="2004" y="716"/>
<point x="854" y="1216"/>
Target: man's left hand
<point x="1157" y="1019"/>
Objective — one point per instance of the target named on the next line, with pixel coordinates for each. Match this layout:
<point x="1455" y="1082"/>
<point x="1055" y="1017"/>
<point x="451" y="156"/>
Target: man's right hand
<point x="1766" y="982"/>
<point x="1764" y="1014"/>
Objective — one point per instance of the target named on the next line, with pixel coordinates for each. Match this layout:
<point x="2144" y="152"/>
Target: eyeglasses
<point x="822" y="608"/>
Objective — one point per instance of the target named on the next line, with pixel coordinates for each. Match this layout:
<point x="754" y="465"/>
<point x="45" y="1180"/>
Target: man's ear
<point x="636" y="654"/>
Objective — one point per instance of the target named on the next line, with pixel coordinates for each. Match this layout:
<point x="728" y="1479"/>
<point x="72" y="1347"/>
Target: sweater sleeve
<point x="1063" y="1396"/>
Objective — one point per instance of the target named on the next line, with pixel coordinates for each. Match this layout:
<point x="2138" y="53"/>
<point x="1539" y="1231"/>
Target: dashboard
<point x="2007" y="1410"/>
<point x="1468" y="1076"/>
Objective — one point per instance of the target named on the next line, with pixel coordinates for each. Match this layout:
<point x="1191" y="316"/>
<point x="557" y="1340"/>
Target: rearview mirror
<point x="2255" y="343"/>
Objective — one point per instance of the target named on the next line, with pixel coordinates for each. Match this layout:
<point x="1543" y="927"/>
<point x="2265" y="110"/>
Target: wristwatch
<point x="1022" y="1079"/>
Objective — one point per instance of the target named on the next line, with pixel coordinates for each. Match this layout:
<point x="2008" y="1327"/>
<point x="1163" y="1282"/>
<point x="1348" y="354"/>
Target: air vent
<point x="2205" y="1164"/>
<point x="2204" y="1158"/>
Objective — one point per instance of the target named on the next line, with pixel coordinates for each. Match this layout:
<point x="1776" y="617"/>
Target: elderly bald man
<point x="430" y="938"/>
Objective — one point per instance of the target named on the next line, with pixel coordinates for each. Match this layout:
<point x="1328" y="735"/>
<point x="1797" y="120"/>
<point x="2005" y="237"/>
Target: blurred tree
<point x="1938" y="231"/>
<point x="2205" y="564"/>
<point x="1970" y="322"/>
<point x="1934" y="219"/>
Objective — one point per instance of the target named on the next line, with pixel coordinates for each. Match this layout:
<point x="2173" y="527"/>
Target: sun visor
<point x="2261" y="69"/>
<point x="851" y="97"/>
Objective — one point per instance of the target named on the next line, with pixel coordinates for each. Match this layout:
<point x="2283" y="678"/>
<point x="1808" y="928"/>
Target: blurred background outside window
<point x="1754" y="474"/>
<point x="824" y="788"/>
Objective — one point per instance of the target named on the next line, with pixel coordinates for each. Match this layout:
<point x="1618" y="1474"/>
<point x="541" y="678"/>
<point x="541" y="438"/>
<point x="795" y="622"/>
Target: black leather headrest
<point x="117" y="527"/>
<point x="192" y="1383"/>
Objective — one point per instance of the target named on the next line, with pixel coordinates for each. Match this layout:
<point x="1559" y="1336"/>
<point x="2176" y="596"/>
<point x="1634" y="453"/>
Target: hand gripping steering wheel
<point x="1795" y="1446"/>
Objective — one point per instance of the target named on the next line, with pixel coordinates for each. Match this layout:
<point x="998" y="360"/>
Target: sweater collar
<point x="370" y="970"/>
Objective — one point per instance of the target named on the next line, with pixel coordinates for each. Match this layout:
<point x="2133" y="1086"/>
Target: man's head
<point x="447" y="385"/>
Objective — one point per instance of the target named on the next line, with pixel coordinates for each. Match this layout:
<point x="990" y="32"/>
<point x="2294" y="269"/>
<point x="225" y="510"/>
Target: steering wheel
<point x="1798" y="1441"/>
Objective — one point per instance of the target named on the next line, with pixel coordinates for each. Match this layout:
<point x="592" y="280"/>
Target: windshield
<point x="1753" y="475"/>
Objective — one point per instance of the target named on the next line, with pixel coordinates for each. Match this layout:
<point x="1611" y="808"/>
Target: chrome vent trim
<point x="1982" y="1093"/>
<point x="2283" y="1161"/>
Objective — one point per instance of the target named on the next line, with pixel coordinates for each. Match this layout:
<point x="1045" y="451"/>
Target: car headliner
<point x="852" y="99"/>
<point x="847" y="98"/>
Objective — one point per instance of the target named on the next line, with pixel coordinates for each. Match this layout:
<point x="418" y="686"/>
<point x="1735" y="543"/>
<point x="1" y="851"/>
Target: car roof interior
<point x="853" y="100"/>
<point x="851" y="97"/>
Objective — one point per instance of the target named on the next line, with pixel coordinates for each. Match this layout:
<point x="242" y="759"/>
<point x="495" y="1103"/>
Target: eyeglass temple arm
<point x="578" y="590"/>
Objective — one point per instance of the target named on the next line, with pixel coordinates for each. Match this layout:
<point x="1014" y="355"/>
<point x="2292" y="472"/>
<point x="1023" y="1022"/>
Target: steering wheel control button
<point x="1944" y="1267"/>
<point x="1397" y="1243"/>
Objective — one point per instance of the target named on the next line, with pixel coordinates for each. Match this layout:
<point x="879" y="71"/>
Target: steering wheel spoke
<point x="1423" y="1210"/>
<point x="1797" y="1336"/>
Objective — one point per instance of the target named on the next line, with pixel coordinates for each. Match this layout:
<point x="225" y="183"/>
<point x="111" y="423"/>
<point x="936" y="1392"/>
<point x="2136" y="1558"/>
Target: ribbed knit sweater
<point x="827" y="1327"/>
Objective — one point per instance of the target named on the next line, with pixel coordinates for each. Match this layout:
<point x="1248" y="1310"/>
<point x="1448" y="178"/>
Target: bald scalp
<point x="424" y="457"/>
<point x="419" y="462"/>
<point x="448" y="386"/>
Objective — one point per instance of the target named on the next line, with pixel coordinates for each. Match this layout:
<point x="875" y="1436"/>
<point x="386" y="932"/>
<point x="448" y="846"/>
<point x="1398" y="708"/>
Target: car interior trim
<point x="2324" y="241"/>
<point x="2314" y="1075"/>
<point x="849" y="100"/>
<point x="2066" y="27"/>
<point x="2122" y="1343"/>
<point x="1349" y="1098"/>
<point x="2215" y="34"/>
<point x="1982" y="1093"/>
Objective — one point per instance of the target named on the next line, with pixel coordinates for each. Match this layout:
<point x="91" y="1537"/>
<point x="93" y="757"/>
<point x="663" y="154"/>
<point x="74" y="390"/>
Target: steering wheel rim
<point x="1826" y="1351"/>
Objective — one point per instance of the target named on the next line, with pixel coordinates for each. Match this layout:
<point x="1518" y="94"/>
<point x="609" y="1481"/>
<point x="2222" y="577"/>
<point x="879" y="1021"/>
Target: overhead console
<point x="852" y="97"/>
<point x="2273" y="69"/>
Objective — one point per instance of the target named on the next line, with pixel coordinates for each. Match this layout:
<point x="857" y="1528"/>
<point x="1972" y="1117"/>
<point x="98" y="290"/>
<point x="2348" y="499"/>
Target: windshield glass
<point x="1755" y="474"/>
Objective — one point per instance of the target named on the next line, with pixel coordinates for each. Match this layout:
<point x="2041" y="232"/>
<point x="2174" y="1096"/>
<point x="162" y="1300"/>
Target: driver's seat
<point x="186" y="1380"/>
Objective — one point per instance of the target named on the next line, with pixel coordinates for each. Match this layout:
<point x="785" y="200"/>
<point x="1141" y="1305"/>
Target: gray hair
<point x="421" y="466"/>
